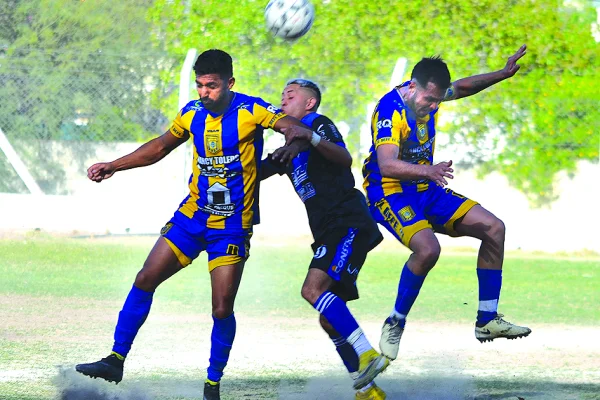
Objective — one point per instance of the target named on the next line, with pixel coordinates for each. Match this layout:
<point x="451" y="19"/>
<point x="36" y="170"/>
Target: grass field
<point x="59" y="299"/>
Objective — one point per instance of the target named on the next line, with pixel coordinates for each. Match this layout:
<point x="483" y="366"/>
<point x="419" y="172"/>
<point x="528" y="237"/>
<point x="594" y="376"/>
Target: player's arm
<point x="474" y="84"/>
<point x="269" y="167"/>
<point x="147" y="154"/>
<point x="331" y="151"/>
<point x="392" y="167"/>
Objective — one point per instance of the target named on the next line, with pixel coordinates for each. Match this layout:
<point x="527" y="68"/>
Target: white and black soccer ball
<point x="289" y="19"/>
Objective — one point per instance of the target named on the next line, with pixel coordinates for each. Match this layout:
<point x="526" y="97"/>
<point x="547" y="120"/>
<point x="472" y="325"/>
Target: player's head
<point x="430" y="79"/>
<point x="214" y="79"/>
<point x="300" y="97"/>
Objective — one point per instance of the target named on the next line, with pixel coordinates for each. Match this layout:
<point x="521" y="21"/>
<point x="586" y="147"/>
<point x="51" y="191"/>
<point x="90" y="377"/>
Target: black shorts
<point x="341" y="253"/>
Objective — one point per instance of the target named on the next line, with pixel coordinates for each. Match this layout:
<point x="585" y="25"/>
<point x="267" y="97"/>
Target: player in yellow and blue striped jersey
<point x="217" y="216"/>
<point x="407" y="195"/>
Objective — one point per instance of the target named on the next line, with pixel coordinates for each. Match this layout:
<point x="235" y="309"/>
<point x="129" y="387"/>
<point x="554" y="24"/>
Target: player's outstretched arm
<point x="391" y="167"/>
<point x="474" y="84"/>
<point x="147" y="154"/>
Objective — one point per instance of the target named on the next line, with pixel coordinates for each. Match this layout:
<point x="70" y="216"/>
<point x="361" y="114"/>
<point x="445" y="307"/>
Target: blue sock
<point x="221" y="340"/>
<point x="347" y="353"/>
<point x="131" y="318"/>
<point x="408" y="290"/>
<point x="490" y="283"/>
<point x="337" y="313"/>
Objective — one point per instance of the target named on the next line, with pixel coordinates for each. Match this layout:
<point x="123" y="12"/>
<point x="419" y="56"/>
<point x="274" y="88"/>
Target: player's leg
<point x="338" y="259"/>
<point x="161" y="263"/>
<point x="350" y="359"/>
<point x="485" y="226"/>
<point x="403" y="216"/>
<point x="227" y="254"/>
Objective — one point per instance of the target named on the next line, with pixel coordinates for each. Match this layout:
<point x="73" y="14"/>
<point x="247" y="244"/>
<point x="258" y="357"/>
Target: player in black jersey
<point x="342" y="227"/>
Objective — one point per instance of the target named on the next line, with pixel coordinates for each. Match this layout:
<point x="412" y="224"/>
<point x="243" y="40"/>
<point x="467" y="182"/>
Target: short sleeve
<point x="388" y="124"/>
<point x="325" y="128"/>
<point x="177" y="128"/>
<point x="266" y="114"/>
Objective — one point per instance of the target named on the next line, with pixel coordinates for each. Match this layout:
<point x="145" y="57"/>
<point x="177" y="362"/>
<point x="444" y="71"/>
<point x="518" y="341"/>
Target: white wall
<point x="142" y="200"/>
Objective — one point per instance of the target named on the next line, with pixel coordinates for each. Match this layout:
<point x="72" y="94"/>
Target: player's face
<point x="425" y="99"/>
<point x="214" y="91"/>
<point x="295" y="101"/>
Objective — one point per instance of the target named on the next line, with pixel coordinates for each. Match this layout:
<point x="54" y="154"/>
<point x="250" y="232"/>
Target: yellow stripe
<point x="183" y="259"/>
<point x="460" y="212"/>
<point x="246" y="132"/>
<point x="214" y="125"/>
<point x="223" y="261"/>
<point x="190" y="207"/>
<point x="390" y="186"/>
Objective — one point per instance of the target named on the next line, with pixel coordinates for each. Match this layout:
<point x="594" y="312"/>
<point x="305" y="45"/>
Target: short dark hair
<point x="311" y="86"/>
<point x="214" y="62"/>
<point x="432" y="69"/>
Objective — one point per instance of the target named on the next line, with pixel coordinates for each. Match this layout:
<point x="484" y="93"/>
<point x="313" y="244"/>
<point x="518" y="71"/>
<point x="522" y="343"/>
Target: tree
<point x="544" y="121"/>
<point x="76" y="71"/>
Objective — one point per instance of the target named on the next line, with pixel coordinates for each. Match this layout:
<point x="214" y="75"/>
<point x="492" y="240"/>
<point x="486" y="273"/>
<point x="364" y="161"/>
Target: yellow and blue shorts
<point x="188" y="237"/>
<point x="404" y="214"/>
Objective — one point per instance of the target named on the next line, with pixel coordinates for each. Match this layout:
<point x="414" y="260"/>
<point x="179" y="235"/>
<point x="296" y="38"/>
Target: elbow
<point x="347" y="161"/>
<point x="385" y="169"/>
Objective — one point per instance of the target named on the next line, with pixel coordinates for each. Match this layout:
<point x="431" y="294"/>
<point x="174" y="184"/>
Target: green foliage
<point x="77" y="71"/>
<point x="542" y="122"/>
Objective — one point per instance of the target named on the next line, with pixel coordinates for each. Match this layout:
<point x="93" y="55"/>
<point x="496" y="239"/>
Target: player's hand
<point x="100" y="171"/>
<point x="511" y="66"/>
<point x="295" y="132"/>
<point x="439" y="172"/>
<point x="286" y="154"/>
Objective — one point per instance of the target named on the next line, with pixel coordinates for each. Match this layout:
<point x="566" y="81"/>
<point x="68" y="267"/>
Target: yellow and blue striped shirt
<point x="394" y="123"/>
<point x="227" y="152"/>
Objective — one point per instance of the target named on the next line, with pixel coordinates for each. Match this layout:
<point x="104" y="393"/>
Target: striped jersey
<point x="394" y="123"/>
<point x="227" y="151"/>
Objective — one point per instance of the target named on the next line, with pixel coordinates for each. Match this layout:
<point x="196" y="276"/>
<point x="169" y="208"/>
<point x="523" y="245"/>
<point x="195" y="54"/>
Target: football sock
<point x="347" y="353"/>
<point x="221" y="339"/>
<point x="490" y="283"/>
<point x="339" y="316"/>
<point x="131" y="318"/>
<point x="408" y="290"/>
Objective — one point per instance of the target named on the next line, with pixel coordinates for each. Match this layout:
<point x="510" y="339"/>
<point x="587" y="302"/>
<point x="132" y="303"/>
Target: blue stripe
<point x="235" y="184"/>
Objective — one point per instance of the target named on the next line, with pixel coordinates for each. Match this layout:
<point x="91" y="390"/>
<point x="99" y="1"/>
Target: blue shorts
<point x="187" y="238"/>
<point x="404" y="214"/>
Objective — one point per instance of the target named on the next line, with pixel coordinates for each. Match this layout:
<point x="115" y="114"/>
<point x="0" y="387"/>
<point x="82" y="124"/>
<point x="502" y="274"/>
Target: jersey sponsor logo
<point x="233" y="250"/>
<point x="386" y="140"/>
<point x="344" y="252"/>
<point x="243" y="106"/>
<point x="213" y="141"/>
<point x="217" y="166"/>
<point x="272" y="109"/>
<point x="320" y="252"/>
<point x="423" y="150"/>
<point x="390" y="217"/>
<point x="219" y="201"/>
<point x="306" y="191"/>
<point x="386" y="123"/>
<point x="198" y="106"/>
<point x="406" y="213"/>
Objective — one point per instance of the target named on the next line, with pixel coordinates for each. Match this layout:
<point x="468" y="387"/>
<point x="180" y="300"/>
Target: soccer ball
<point x="289" y="19"/>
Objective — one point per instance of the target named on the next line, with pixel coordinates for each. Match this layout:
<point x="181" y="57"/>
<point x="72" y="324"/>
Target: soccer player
<point x="343" y="230"/>
<point x="406" y="194"/>
<point x="217" y="216"/>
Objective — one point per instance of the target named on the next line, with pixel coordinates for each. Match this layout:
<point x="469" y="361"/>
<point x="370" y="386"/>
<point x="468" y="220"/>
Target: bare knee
<point x="146" y="280"/>
<point x="222" y="308"/>
<point x="427" y="255"/>
<point x="497" y="231"/>
<point x="311" y="293"/>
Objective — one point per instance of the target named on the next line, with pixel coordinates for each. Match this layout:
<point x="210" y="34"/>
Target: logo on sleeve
<point x="386" y="123"/>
